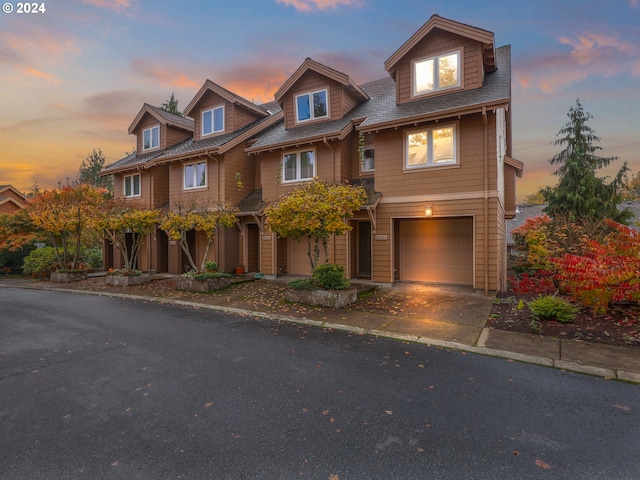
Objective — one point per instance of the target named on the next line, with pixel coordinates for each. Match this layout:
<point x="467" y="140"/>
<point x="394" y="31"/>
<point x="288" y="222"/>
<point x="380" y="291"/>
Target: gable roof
<point x="229" y="96"/>
<point x="163" y="117"/>
<point x="8" y="194"/>
<point x="485" y="37"/>
<point x="382" y="111"/>
<point x="323" y="70"/>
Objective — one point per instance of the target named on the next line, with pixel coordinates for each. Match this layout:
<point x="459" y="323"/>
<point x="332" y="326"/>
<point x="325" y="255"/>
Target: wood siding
<point x="235" y="117"/>
<point x="436" y="43"/>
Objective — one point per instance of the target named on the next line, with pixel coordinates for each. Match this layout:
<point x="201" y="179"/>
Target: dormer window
<point x="213" y="121"/>
<point x="432" y="74"/>
<point x="151" y="138"/>
<point x="312" y="106"/>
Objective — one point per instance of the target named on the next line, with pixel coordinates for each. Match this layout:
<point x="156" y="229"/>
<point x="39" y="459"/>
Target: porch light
<point x="428" y="211"/>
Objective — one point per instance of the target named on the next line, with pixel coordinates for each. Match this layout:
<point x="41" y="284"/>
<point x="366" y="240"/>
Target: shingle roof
<point x="382" y="111"/>
<point x="173" y="118"/>
<point x="130" y="161"/>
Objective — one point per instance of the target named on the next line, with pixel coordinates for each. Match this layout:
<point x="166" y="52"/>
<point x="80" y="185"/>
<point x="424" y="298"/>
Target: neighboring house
<point x="431" y="143"/>
<point x="11" y="199"/>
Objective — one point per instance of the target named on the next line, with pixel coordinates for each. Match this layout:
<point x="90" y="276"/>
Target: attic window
<point x="436" y="73"/>
<point x="213" y="121"/>
<point x="151" y="138"/>
<point x="311" y="106"/>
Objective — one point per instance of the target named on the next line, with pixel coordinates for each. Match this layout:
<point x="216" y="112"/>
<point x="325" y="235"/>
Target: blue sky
<point x="74" y="77"/>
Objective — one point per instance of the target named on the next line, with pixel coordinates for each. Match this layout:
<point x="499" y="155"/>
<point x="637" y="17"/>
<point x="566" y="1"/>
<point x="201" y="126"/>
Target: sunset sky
<point x="73" y="78"/>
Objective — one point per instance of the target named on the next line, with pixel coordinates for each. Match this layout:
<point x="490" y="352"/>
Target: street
<point x="94" y="387"/>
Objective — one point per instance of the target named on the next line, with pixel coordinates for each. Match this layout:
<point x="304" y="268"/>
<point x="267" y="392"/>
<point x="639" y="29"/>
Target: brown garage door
<point x="437" y="250"/>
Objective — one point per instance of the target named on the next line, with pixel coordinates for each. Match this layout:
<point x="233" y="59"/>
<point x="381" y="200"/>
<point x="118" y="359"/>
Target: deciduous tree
<point x="197" y="218"/>
<point x="315" y="210"/>
<point x="580" y="192"/>
<point x="66" y="215"/>
<point x="123" y="217"/>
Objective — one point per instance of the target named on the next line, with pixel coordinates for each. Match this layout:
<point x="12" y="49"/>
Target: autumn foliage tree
<point x="67" y="215"/>
<point x="177" y="224"/>
<point x="122" y="217"/>
<point x="17" y="230"/>
<point x="607" y="271"/>
<point x="315" y="210"/>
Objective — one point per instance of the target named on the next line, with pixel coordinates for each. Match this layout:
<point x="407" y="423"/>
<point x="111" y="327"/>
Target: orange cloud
<point x="310" y="5"/>
<point x="40" y="74"/>
<point x="591" y="55"/>
<point x="165" y="77"/>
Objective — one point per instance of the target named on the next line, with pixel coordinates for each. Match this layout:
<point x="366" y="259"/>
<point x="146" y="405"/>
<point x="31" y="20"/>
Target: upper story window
<point x="436" y="73"/>
<point x="298" y="166"/>
<point x="195" y="175"/>
<point x="151" y="138"/>
<point x="311" y="106"/>
<point x="132" y="185"/>
<point x="367" y="160"/>
<point x="431" y="147"/>
<point x="213" y="121"/>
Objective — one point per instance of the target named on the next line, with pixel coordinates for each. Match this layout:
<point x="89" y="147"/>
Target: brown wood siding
<point x="199" y="196"/>
<point x="438" y="42"/>
<point x="391" y="180"/>
<point x="509" y="191"/>
<point x="208" y="101"/>
<point x="312" y="81"/>
<point x="176" y="135"/>
<point x="242" y="117"/>
<point x="235" y="162"/>
<point x="148" y="121"/>
<point x="160" y="180"/>
<point x="385" y="259"/>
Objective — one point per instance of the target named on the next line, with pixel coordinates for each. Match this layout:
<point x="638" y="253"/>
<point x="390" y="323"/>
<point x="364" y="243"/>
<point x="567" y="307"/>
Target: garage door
<point x="437" y="250"/>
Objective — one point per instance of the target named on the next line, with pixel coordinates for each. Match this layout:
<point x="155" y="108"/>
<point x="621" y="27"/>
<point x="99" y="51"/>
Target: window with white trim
<point x="436" y="73"/>
<point x="132" y="185"/>
<point x="151" y="138"/>
<point x="431" y="147"/>
<point x="298" y="166"/>
<point x="312" y="105"/>
<point x="195" y="175"/>
<point x="213" y="121"/>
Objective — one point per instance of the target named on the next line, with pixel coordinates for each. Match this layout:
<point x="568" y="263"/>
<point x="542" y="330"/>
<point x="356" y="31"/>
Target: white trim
<point x="309" y="95"/>
<point x="441" y="197"/>
<point x="436" y="79"/>
<point x="150" y="129"/>
<point x="124" y="186"/>
<point x="297" y="153"/>
<point x="213" y="130"/>
<point x="428" y="131"/>
<point x="194" y="179"/>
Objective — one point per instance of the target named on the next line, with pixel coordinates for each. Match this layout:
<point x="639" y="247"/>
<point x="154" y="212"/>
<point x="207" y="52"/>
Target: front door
<point x="364" y="249"/>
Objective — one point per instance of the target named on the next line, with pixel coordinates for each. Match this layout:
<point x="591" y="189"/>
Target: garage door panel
<point x="437" y="250"/>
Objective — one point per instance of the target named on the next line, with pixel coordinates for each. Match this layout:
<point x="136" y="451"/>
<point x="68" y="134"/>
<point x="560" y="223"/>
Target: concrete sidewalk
<point x="450" y="317"/>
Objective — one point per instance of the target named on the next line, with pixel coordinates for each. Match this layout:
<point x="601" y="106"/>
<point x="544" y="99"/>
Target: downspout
<point x="486" y="200"/>
<point x="151" y="253"/>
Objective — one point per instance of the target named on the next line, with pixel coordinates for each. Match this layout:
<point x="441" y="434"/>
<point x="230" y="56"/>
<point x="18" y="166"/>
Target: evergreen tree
<point x="90" y="169"/>
<point x="580" y="192"/>
<point x="171" y="105"/>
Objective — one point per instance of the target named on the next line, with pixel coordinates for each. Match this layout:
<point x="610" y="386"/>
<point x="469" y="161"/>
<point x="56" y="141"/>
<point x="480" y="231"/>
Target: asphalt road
<point x="105" y="388"/>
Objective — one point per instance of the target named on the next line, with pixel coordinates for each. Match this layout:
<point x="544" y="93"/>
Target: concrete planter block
<point x="68" y="277"/>
<point x="127" y="280"/>
<point x="324" y="298"/>
<point x="209" y="285"/>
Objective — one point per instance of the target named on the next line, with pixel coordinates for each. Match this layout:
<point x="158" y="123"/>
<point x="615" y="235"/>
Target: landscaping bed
<point x="620" y="326"/>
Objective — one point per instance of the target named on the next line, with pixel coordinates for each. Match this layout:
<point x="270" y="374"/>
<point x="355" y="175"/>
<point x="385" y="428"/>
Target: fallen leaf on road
<point x="208" y="405"/>
<point x="543" y="464"/>
<point x="622" y="407"/>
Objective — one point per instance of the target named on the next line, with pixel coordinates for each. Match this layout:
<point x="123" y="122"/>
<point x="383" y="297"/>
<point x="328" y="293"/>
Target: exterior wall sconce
<point x="428" y="211"/>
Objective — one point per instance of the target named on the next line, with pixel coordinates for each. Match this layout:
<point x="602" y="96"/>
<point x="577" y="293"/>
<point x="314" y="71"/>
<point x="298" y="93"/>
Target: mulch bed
<point x="620" y="326"/>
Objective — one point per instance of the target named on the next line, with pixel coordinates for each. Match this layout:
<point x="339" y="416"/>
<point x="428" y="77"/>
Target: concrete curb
<point x="479" y="348"/>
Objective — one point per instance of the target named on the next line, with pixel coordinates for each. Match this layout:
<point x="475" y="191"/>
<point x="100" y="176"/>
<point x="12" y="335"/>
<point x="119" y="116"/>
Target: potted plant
<point x="239" y="269"/>
<point x="124" y="277"/>
<point x="202" y="282"/>
<point x="327" y="288"/>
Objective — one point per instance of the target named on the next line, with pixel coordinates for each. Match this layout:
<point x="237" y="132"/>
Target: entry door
<point x="364" y="249"/>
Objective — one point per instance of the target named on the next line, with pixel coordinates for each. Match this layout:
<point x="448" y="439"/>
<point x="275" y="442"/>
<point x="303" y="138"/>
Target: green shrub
<point x="209" y="275"/>
<point x="330" y="276"/>
<point x="550" y="307"/>
<point x="211" y="266"/>
<point x="302" y="284"/>
<point x="92" y="257"/>
<point x="40" y="262"/>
